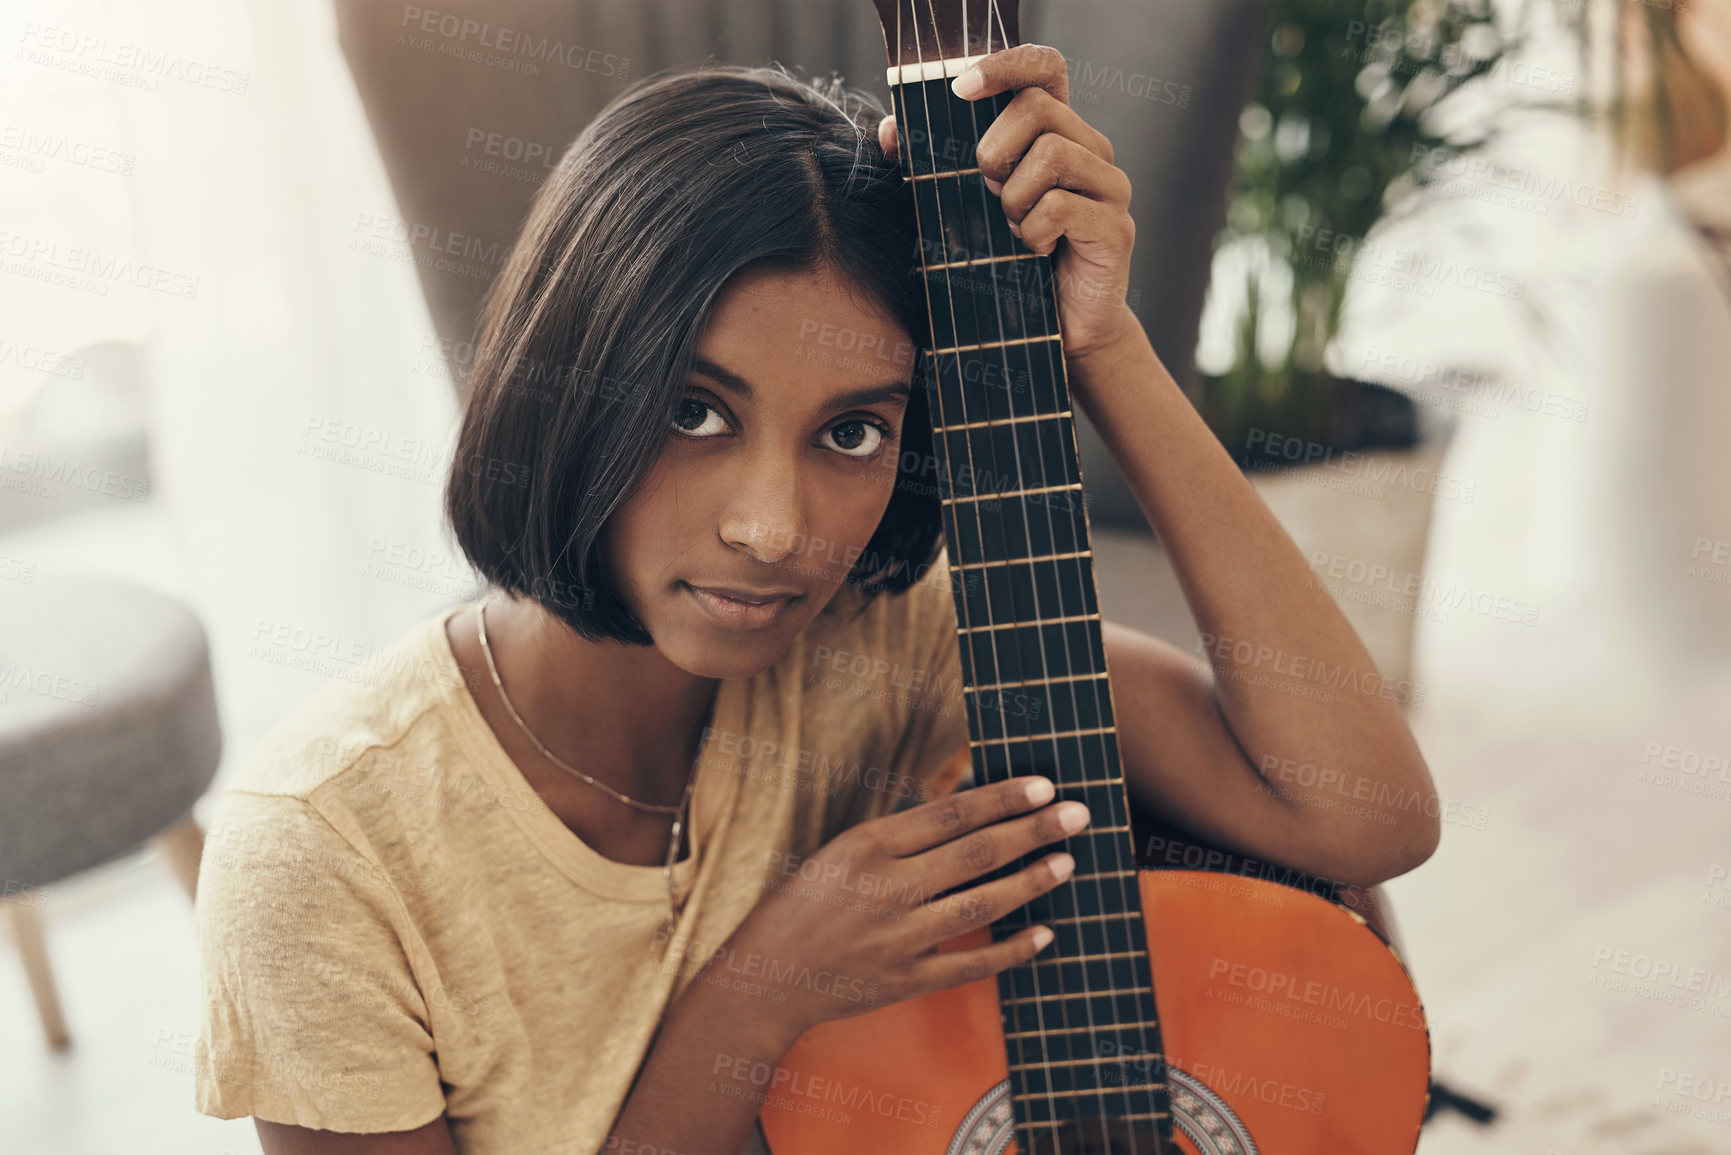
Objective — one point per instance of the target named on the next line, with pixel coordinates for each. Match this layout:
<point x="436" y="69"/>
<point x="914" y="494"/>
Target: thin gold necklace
<point x="673" y="901"/>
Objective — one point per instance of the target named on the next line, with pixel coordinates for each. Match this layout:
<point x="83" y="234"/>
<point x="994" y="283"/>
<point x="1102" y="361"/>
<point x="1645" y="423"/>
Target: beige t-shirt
<point x="393" y="925"/>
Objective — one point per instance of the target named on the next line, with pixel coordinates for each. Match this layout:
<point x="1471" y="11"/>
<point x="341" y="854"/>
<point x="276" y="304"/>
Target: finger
<point x="976" y="852"/>
<point x="1028" y="118"/>
<point x="919" y="828"/>
<point x="1064" y="215"/>
<point x="1024" y="66"/>
<point x="1057" y="163"/>
<point x="887" y="135"/>
<point x="949" y="915"/>
<point x="943" y="969"/>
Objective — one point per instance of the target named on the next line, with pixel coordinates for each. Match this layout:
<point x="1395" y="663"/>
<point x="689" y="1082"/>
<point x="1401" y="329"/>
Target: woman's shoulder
<point x="369" y="704"/>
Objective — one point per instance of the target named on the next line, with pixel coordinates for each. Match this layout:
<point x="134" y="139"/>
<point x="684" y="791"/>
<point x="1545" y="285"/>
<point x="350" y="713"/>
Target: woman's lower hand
<point x="855" y="926"/>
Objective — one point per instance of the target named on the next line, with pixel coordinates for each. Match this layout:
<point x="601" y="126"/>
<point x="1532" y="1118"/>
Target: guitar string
<point x="1056" y="376"/>
<point x="1026" y="739"/>
<point x="1156" y="1092"/>
<point x="1128" y="880"/>
<point x="1041" y="1057"/>
<point x="1041" y="437"/>
<point x="942" y="235"/>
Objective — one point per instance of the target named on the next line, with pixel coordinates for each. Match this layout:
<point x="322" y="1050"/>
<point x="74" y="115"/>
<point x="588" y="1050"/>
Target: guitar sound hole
<point x="1098" y="1136"/>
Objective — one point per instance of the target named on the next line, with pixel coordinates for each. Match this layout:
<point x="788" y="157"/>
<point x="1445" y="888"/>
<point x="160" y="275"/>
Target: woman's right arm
<point x="702" y="1085"/>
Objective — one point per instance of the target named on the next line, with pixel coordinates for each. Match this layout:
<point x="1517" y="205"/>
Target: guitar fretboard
<point x="1079" y="1020"/>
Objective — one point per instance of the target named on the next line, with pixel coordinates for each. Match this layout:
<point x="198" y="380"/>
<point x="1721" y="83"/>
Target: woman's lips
<point x="738" y="615"/>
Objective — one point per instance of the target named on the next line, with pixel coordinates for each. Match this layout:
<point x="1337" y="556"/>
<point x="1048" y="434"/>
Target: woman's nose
<point x="764" y="512"/>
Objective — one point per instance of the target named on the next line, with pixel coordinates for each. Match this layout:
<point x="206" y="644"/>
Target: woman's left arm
<point x="1287" y="744"/>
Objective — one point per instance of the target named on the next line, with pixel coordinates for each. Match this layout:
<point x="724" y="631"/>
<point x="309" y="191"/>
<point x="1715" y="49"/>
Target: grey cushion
<point x="108" y="728"/>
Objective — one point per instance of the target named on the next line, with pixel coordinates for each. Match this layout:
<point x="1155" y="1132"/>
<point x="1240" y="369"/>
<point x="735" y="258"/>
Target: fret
<point x="1113" y="1089"/>
<point x="1089" y="1032"/>
<point x="995" y="304"/>
<point x="1084" y="919"/>
<point x="998" y="344"/>
<point x="1036" y="681"/>
<point x="1003" y="459"/>
<point x="994" y="385"/>
<point x="1092" y="1079"/>
<point x="1150" y="1116"/>
<point x="1125" y="1044"/>
<point x="1064" y="760"/>
<point x="1006" y="421"/>
<point x="1024" y="527"/>
<point x="1058" y="1064"/>
<point x="979" y="261"/>
<point x="1029" y="622"/>
<point x="935" y="175"/>
<point x="1064" y="734"/>
<point x="1019" y="493"/>
<point x="1020" y="560"/>
<point x="1051" y="648"/>
<point x="1120" y="972"/>
<point x="1103" y="874"/>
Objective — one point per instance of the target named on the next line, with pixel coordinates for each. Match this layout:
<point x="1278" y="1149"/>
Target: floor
<point x="1503" y="926"/>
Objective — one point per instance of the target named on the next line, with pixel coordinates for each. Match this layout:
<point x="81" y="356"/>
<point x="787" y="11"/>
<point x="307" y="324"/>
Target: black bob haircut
<point x="587" y="335"/>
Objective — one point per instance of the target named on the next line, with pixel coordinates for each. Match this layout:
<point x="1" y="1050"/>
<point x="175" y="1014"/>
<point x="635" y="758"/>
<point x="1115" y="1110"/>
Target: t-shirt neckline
<point x="556" y="841"/>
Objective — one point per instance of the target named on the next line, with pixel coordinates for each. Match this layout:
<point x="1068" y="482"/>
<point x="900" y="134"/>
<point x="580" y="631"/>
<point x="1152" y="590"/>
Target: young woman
<point x="532" y="891"/>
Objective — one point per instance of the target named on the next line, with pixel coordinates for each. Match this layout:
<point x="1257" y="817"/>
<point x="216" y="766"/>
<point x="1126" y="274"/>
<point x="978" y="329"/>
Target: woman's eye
<point x="859" y="437"/>
<point x="693" y="409"/>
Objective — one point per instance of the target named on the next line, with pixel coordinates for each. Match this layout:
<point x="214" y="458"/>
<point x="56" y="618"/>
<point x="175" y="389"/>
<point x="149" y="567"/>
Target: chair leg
<point x="182" y="845"/>
<point x="33" y="950"/>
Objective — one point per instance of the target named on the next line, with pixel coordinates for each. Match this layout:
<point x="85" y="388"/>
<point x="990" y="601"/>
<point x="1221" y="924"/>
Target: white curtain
<point x="300" y="418"/>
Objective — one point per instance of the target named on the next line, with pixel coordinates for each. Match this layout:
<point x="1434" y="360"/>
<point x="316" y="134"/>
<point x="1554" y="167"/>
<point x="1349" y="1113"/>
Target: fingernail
<point x="969" y="84"/>
<point x="1042" y="936"/>
<point x="1041" y="790"/>
<point x="1063" y="864"/>
<point x="1015" y="229"/>
<point x="1072" y="816"/>
<point x="997" y="189"/>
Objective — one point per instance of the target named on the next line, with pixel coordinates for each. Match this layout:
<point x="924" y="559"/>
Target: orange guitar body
<point x="1290" y="1027"/>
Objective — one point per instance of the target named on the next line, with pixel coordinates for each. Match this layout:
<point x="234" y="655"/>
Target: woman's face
<point x="777" y="471"/>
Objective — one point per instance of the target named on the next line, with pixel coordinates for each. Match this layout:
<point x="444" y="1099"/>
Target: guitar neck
<point x="1080" y="1021"/>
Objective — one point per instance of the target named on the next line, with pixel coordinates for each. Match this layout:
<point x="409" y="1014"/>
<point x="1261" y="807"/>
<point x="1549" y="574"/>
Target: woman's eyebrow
<point x="868" y="395"/>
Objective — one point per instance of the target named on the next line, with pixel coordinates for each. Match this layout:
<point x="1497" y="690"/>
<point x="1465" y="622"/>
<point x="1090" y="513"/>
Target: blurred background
<point x="1450" y="278"/>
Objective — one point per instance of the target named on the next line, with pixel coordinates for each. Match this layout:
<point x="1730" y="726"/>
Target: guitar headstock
<point x="926" y="31"/>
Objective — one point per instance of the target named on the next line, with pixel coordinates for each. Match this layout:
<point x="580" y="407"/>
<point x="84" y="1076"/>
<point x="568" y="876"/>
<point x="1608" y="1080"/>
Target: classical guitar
<point x="1177" y="1010"/>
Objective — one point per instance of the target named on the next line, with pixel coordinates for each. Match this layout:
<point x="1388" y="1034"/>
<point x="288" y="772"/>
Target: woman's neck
<point x="622" y="714"/>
